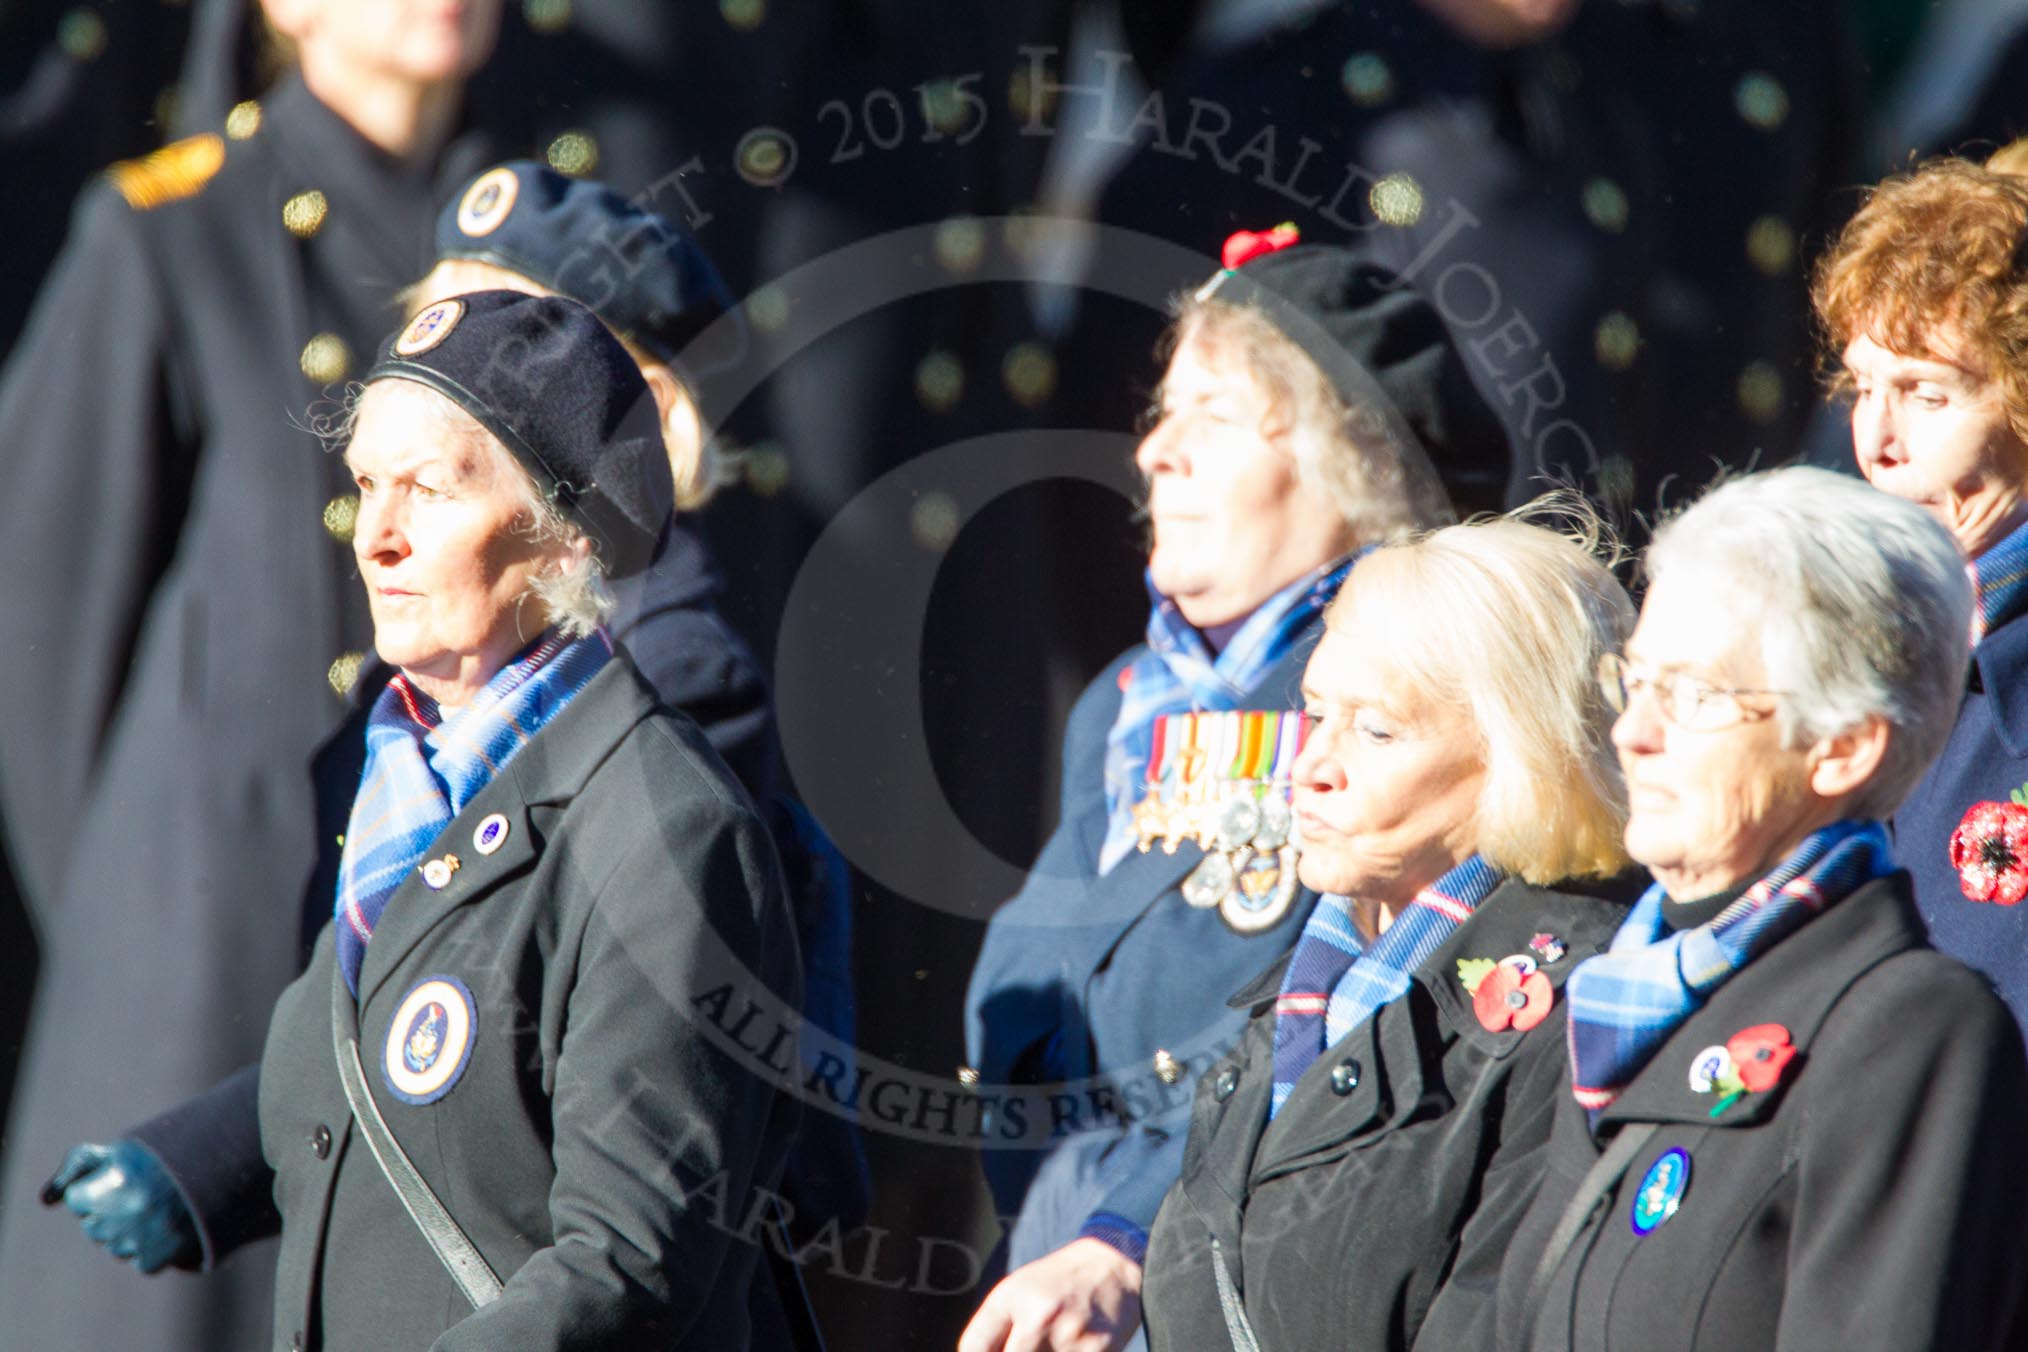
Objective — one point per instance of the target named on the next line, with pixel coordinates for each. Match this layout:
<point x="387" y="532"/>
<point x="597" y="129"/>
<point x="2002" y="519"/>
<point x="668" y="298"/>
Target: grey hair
<point x="576" y="595"/>
<point x="1864" y="608"/>
<point x="1383" y="494"/>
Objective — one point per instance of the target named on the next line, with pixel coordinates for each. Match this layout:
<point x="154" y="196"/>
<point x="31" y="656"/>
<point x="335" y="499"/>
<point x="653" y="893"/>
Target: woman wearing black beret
<point x="1312" y="407"/>
<point x="483" y="1110"/>
<point x="521" y="226"/>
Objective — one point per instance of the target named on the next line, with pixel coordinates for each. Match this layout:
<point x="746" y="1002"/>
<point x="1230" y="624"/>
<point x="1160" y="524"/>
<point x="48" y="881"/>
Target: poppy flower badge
<point x="1509" y="994"/>
<point x="1752" y="1061"/>
<point x="1990" y="851"/>
<point x="1243" y="246"/>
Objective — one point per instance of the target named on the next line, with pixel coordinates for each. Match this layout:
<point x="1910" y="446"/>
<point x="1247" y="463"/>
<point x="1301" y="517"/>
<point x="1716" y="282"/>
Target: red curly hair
<point x="1936" y="255"/>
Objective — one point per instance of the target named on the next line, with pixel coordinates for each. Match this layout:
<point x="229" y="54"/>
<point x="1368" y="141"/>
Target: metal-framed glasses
<point x="1682" y="699"/>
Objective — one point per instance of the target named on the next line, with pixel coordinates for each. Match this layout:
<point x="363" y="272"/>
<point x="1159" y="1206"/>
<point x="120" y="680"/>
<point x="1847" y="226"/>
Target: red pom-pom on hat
<point x="1244" y="245"/>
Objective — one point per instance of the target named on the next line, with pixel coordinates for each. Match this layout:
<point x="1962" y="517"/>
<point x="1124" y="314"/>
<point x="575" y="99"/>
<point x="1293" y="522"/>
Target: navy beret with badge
<point x="641" y="273"/>
<point x="548" y="379"/>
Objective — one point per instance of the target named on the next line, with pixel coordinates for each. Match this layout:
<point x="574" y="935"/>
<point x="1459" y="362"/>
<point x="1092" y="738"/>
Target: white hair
<point x="575" y="595"/>
<point x="1861" y="602"/>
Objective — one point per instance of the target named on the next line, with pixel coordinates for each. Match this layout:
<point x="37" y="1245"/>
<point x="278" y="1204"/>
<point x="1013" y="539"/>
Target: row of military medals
<point x="1223" y="780"/>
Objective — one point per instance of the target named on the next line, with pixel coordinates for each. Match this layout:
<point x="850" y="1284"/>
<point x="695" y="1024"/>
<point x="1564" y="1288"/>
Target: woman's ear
<point x="1844" y="762"/>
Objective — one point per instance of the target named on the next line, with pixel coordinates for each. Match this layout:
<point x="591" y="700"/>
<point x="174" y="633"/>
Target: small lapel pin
<point x="437" y="872"/>
<point x="491" y="835"/>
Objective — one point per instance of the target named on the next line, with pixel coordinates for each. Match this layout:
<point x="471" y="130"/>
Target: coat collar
<point x="1392" y="1068"/>
<point x="390" y="203"/>
<point x="1996" y="666"/>
<point x="550" y="770"/>
<point x="1503" y="925"/>
<point x="1794" y="984"/>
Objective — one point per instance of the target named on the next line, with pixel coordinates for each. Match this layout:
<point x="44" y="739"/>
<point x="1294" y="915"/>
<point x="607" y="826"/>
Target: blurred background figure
<point x="183" y="554"/>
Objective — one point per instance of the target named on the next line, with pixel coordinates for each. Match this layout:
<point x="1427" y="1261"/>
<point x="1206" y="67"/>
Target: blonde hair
<point x="699" y="465"/>
<point x="1381" y="494"/>
<point x="1507" y="619"/>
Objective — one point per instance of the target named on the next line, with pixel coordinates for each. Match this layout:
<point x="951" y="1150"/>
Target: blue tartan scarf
<point x="1625" y="1002"/>
<point x="421" y="771"/>
<point x="1179" y="674"/>
<point x="1999" y="583"/>
<point x="1332" y="986"/>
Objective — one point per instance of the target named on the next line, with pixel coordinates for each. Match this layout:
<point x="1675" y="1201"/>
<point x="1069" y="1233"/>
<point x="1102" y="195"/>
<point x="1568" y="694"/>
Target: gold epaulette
<point x="179" y="169"/>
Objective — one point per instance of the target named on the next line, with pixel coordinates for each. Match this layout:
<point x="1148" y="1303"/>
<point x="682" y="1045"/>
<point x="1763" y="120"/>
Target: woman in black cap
<point x="522" y="226"/>
<point x="1312" y="408"/>
<point x="485" y="1109"/>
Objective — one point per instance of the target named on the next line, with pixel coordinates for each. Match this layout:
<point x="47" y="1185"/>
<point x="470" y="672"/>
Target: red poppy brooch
<point x="1990" y="852"/>
<point x="1242" y="246"/>
<point x="1511" y="993"/>
<point x="1752" y="1061"/>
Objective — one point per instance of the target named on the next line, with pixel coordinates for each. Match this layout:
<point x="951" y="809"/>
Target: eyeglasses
<point x="1683" y="699"/>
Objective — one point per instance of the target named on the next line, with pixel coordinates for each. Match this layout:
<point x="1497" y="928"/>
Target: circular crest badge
<point x="430" y="1040"/>
<point x="488" y="201"/>
<point x="491" y="834"/>
<point x="1661" y="1191"/>
<point x="429" y="328"/>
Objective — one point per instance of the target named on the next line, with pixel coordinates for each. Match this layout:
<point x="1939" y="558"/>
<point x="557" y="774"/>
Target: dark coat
<point x="177" y="605"/>
<point x="1875" y="1200"/>
<point x="605" y="1144"/>
<point x="667" y="616"/>
<point x="1086" y="976"/>
<point x="1397" y="1168"/>
<point x="1985" y="759"/>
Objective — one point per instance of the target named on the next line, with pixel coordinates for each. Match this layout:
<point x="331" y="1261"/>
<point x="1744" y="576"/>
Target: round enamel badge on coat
<point x="487" y="202"/>
<point x="430" y="1040"/>
<point x="1661" y="1191"/>
<point x="429" y="328"/>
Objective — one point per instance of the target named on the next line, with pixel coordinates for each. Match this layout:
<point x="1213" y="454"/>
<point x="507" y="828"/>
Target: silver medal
<point x="1209" y="882"/>
<point x="1275" y="821"/>
<point x="1238" y="820"/>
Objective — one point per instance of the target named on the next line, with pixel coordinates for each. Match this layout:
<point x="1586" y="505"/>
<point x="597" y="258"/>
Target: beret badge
<point x="430" y="327"/>
<point x="488" y="201"/>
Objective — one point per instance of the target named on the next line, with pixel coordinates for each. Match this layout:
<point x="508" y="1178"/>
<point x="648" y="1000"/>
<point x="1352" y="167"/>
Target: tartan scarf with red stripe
<point x="1999" y="583"/>
<point x="1334" y="982"/>
<point x="421" y="771"/>
<point x="1625" y="1002"/>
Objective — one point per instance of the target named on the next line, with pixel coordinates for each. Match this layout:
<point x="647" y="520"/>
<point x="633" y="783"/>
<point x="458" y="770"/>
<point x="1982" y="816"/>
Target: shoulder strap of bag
<point x="1600" y="1179"/>
<point x="1238" y="1327"/>
<point x="460" y="1257"/>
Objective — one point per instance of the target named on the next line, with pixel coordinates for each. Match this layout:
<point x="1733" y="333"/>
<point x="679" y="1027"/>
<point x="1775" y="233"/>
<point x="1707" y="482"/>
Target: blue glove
<point x="127" y="1202"/>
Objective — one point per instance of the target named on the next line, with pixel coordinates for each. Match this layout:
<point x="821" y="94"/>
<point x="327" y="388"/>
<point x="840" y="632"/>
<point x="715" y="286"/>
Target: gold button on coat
<point x="304" y="213"/>
<point x="1166" y="1068"/>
